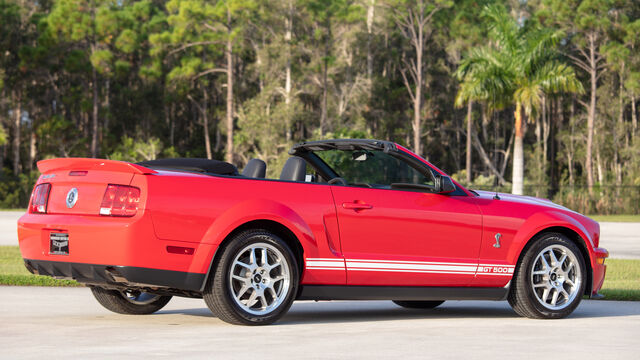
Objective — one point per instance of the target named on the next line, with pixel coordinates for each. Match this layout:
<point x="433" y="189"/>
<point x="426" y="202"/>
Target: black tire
<point x="118" y="302"/>
<point x="221" y="290"/>
<point x="529" y="301"/>
<point x="418" y="304"/>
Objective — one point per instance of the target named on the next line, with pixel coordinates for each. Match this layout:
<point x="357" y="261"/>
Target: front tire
<point x="255" y="280"/>
<point x="129" y="302"/>
<point x="550" y="279"/>
<point x="419" y="304"/>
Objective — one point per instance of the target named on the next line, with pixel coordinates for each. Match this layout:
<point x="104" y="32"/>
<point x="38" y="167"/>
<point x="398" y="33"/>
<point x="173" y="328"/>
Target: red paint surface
<point x="349" y="235"/>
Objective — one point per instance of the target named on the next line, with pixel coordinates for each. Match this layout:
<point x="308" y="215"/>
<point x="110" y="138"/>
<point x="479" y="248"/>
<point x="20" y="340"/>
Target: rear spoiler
<point x="62" y="164"/>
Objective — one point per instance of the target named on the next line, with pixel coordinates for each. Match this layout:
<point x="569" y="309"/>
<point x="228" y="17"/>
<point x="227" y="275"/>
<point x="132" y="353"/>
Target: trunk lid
<point x="89" y="178"/>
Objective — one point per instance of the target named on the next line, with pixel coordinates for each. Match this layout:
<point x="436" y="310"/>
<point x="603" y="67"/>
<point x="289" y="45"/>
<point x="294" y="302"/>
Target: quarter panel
<point x="206" y="209"/>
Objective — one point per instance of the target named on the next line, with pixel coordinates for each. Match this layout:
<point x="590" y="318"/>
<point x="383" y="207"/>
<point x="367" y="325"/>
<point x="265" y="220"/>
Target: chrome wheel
<point x="556" y="277"/>
<point x="259" y="278"/>
<point x="139" y="297"/>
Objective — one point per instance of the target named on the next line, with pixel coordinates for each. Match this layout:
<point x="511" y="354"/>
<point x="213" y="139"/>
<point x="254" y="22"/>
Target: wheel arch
<point x="275" y="227"/>
<point x="575" y="237"/>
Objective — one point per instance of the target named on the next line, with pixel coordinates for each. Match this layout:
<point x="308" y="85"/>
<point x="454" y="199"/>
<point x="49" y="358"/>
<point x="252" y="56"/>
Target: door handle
<point x="356" y="206"/>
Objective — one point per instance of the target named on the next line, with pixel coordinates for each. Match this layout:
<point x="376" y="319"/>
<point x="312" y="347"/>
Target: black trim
<point x="123" y="276"/>
<point x="339" y="292"/>
<point x="207" y="166"/>
<point x="342" y="144"/>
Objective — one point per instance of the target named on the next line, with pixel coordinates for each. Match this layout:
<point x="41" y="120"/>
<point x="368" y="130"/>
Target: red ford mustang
<point x="348" y="219"/>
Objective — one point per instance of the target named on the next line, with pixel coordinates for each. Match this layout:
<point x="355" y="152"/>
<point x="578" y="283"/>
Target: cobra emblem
<point x="72" y="198"/>
<point x="497" y="244"/>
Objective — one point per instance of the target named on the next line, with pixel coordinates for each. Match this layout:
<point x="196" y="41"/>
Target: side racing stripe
<point x="429" y="267"/>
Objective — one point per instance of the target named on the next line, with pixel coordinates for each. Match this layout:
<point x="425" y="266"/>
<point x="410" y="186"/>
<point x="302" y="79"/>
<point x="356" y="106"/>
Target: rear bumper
<point x="117" y="241"/>
<point x="599" y="270"/>
<point x="117" y="276"/>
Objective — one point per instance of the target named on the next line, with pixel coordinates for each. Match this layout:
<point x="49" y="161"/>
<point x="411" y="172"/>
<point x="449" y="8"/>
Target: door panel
<point x="407" y="238"/>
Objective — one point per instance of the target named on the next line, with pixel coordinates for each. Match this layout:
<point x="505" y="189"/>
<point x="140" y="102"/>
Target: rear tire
<point x="129" y="302"/>
<point x="550" y="279"/>
<point x="255" y="281"/>
<point x="419" y="304"/>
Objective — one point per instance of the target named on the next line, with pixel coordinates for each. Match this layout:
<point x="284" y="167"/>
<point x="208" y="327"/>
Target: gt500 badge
<point x="495" y="269"/>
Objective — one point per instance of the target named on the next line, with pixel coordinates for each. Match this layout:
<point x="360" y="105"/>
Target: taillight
<point x="120" y="200"/>
<point x="39" y="199"/>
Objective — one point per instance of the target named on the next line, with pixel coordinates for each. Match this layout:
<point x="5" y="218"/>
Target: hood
<point x="522" y="199"/>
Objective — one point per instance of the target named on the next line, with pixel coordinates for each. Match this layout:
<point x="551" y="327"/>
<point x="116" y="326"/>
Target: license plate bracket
<point x="58" y="243"/>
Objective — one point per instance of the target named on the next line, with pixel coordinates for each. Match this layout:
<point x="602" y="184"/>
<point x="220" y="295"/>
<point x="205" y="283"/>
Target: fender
<point x="545" y="220"/>
<point x="257" y="209"/>
<point x="250" y="210"/>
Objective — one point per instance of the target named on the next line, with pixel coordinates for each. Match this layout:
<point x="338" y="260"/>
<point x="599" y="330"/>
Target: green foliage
<point x="134" y="151"/>
<point x="521" y="67"/>
<point x="160" y="84"/>
<point x="3" y="136"/>
<point x="605" y="200"/>
<point x="15" y="191"/>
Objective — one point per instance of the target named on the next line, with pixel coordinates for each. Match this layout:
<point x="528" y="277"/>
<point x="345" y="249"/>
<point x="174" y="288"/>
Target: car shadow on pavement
<point x="308" y="312"/>
<point x="364" y="313"/>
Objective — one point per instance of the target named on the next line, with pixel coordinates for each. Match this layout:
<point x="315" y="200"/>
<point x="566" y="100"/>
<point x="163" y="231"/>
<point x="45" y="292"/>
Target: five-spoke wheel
<point x="259" y="278"/>
<point x="255" y="279"/>
<point x="549" y="280"/>
<point x="556" y="277"/>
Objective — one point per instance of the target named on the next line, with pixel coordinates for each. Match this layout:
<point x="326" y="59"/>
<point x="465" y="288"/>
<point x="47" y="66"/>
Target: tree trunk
<point x="94" y="115"/>
<point x="325" y="80"/>
<point x="634" y="115"/>
<point x="417" y="102"/>
<point x="599" y="166"/>
<point x="469" y="129"/>
<point x="32" y="147"/>
<point x="323" y="110"/>
<point x="538" y="153"/>
<point x="16" y="134"/>
<point x="287" y="82"/>
<point x="370" y="14"/>
<point x="571" y="152"/>
<point x="591" y="113"/>
<point x="485" y="158"/>
<point x="229" y="154"/>
<point x="107" y="104"/>
<point x="518" y="154"/>
<point x="205" y="123"/>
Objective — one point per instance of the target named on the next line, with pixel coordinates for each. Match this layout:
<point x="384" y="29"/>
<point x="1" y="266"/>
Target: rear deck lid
<point x="78" y="185"/>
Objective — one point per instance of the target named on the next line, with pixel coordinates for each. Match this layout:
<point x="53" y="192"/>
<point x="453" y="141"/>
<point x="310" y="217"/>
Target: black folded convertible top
<point x="192" y="164"/>
<point x="343" y="144"/>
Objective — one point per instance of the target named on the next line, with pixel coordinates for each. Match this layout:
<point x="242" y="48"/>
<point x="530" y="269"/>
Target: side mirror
<point x="444" y="185"/>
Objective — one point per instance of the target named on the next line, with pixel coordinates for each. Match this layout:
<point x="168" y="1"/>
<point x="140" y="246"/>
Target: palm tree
<point x="518" y="68"/>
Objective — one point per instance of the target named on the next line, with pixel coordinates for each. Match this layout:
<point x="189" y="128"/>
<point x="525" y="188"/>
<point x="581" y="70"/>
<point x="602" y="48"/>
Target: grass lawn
<point x="621" y="283"/>
<point x="13" y="272"/>
<point x="615" y="218"/>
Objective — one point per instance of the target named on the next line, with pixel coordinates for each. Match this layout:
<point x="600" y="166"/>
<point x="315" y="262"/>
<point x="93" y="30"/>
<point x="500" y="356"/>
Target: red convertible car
<point x="347" y="219"/>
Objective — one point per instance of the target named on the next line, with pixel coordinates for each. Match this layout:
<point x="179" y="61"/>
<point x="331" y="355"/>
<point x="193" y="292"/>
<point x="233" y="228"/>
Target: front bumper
<point x="599" y="270"/>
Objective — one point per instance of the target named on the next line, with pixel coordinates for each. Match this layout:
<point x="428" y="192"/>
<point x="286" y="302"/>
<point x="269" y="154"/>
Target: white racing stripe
<point x="429" y="267"/>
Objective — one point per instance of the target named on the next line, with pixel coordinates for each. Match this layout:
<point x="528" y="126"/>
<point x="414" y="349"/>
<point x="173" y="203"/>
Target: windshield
<point x="373" y="168"/>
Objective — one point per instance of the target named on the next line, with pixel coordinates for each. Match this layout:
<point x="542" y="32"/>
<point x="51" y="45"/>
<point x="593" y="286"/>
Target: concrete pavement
<point x="61" y="322"/>
<point x="621" y="239"/>
<point x="8" y="227"/>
